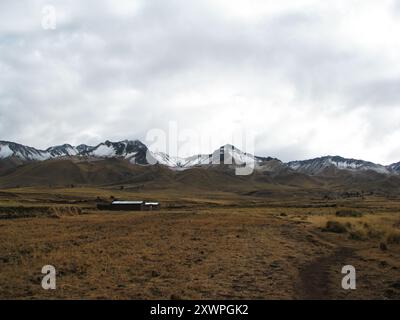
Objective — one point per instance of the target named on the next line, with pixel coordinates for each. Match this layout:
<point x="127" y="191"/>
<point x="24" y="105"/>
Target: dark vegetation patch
<point x="32" y="212"/>
<point x="348" y="213"/>
<point x="335" y="227"/>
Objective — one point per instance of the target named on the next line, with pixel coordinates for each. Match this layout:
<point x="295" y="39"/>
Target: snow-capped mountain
<point x="395" y="167"/>
<point x="227" y="154"/>
<point x="138" y="153"/>
<point x="84" y="149"/>
<point x="62" y="151"/>
<point x="319" y="165"/>
<point x="135" y="151"/>
<point x="11" y="149"/>
<point x="165" y="159"/>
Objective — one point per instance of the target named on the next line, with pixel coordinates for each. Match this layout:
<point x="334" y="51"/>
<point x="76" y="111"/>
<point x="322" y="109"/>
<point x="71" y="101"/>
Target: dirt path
<point x="315" y="278"/>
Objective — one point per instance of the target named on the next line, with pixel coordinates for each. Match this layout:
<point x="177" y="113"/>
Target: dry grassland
<point x="199" y="246"/>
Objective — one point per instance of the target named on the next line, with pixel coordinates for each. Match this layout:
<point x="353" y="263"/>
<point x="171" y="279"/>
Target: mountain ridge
<point x="137" y="152"/>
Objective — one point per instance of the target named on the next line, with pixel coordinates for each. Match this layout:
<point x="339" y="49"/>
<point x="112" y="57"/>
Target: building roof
<point x="127" y="202"/>
<point x="151" y="203"/>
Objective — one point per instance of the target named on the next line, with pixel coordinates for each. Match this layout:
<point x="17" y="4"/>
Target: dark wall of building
<point x="120" y="207"/>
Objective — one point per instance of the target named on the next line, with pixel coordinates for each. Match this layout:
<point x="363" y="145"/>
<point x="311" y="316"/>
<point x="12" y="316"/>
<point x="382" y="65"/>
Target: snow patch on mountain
<point x="5" y="151"/>
<point x="23" y="152"/>
<point x="318" y="165"/>
<point x="165" y="159"/>
<point x="232" y="155"/>
<point x="63" y="150"/>
<point x="395" y="167"/>
<point x="103" y="151"/>
<point x="134" y="151"/>
<point x="198" y="160"/>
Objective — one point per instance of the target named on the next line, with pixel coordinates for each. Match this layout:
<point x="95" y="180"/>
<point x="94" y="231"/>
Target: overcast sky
<point x="308" y="77"/>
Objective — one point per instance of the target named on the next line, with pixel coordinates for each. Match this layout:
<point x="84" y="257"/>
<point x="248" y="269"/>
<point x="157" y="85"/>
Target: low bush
<point x="393" y="237"/>
<point x="357" y="235"/>
<point x="335" y="227"/>
<point x="349" y="213"/>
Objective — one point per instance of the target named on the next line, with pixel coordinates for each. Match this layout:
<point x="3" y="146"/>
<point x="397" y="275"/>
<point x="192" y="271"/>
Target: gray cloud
<point x="308" y="78"/>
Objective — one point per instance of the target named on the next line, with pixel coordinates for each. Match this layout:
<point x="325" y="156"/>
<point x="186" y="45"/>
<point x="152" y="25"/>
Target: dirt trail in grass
<point x="315" y="277"/>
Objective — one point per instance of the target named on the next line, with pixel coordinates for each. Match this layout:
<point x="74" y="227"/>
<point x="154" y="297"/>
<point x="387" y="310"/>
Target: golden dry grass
<point x="383" y="227"/>
<point x="199" y="246"/>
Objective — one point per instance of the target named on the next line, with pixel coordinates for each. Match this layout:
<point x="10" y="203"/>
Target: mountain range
<point x="131" y="164"/>
<point x="137" y="152"/>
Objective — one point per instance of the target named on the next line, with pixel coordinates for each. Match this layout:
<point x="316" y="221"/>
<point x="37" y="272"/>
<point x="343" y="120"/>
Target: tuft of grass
<point x="348" y="213"/>
<point x="393" y="237"/>
<point x="358" y="235"/>
<point x="59" y="211"/>
<point x="335" y="227"/>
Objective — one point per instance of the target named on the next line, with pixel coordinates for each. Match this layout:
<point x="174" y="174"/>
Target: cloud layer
<point x="309" y="77"/>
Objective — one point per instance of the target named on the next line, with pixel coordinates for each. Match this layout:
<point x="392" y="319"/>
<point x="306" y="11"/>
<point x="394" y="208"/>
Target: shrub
<point x="335" y="227"/>
<point x="393" y="238"/>
<point x="349" y="213"/>
<point x="357" y="235"/>
<point x="375" y="234"/>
